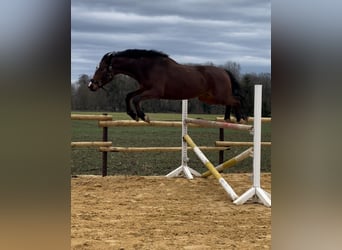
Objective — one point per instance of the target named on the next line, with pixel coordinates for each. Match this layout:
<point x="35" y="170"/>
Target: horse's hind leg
<point x="241" y="117"/>
<point x="227" y="113"/>
<point x="237" y="112"/>
<point x="235" y="105"/>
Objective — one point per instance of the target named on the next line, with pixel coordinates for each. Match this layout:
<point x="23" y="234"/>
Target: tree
<point x="248" y="82"/>
<point x="233" y="67"/>
<point x="83" y="99"/>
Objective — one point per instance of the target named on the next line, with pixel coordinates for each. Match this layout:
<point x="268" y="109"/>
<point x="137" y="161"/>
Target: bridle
<point x="99" y="83"/>
<point x="109" y="73"/>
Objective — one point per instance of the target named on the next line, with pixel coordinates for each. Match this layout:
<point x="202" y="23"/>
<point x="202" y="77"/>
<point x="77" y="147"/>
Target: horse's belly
<point x="184" y="89"/>
<point x="183" y="92"/>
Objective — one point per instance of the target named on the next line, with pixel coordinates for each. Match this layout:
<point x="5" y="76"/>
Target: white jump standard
<point x="256" y="193"/>
<point x="184" y="169"/>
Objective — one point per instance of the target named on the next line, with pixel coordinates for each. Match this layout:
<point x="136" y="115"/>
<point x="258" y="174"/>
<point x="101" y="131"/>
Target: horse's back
<point x="217" y="78"/>
<point x="181" y="81"/>
<point x="220" y="89"/>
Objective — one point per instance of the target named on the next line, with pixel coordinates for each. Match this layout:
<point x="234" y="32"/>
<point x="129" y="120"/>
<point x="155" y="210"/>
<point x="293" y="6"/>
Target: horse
<point x="161" y="77"/>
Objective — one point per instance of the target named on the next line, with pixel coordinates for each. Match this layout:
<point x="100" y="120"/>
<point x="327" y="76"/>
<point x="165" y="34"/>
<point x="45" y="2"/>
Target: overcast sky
<point x="189" y="31"/>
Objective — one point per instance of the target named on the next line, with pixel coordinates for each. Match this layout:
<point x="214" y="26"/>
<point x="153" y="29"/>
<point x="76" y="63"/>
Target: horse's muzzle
<point x="92" y="85"/>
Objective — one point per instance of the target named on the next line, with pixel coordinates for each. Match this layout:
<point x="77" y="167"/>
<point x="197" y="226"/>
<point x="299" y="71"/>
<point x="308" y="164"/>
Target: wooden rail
<point x="239" y="143"/>
<point x="91" y="117"/>
<point x="215" y="124"/>
<point x="156" y="149"/>
<point x="250" y="119"/>
<point x="91" y="144"/>
<point x="131" y="123"/>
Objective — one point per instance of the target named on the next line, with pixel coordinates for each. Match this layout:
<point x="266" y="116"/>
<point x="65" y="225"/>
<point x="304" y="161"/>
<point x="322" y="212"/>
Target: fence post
<point x="104" y="154"/>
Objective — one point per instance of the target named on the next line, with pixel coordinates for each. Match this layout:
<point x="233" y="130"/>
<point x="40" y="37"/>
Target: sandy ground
<point x="134" y="212"/>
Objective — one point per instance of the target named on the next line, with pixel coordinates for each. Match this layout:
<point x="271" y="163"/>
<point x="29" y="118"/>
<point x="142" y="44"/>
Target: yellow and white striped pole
<point x="211" y="167"/>
<point x="231" y="162"/>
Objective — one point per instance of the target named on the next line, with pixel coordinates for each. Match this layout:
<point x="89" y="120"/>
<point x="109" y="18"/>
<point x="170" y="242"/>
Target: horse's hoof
<point x="133" y="116"/>
<point x="242" y="121"/>
<point x="227" y="120"/>
<point x="147" y="119"/>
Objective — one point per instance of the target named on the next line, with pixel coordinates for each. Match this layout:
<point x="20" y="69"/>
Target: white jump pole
<point x="256" y="193"/>
<point x="184" y="169"/>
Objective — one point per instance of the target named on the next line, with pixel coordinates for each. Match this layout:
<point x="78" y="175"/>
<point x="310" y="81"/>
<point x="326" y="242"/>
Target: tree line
<point x="82" y="99"/>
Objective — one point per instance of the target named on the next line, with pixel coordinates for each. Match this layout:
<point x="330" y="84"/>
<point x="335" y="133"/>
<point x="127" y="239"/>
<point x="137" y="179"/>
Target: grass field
<point x="88" y="161"/>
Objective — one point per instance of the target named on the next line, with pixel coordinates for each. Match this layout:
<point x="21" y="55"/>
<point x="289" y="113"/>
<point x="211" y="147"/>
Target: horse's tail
<point x="237" y="93"/>
<point x="236" y="88"/>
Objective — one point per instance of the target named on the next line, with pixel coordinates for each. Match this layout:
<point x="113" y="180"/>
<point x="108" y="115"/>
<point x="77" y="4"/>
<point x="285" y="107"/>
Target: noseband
<point x="100" y="86"/>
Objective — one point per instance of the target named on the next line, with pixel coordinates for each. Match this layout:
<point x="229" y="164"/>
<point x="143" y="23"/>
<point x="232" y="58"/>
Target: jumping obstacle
<point x="211" y="167"/>
<point x="184" y="169"/>
<point x="186" y="138"/>
<point x="256" y="193"/>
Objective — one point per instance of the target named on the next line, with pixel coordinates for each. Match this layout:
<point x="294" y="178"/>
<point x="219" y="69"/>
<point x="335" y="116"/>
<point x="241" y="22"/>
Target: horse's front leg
<point x="129" y="109"/>
<point x="148" y="94"/>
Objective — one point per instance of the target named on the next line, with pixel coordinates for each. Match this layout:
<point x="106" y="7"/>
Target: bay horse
<point x="160" y="77"/>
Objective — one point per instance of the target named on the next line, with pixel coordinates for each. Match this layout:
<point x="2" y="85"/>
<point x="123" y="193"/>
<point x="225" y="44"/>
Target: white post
<point x="256" y="193"/>
<point x="257" y="135"/>
<point x="184" y="169"/>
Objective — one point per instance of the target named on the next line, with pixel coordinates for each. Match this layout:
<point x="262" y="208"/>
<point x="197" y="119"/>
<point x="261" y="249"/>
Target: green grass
<point x="89" y="161"/>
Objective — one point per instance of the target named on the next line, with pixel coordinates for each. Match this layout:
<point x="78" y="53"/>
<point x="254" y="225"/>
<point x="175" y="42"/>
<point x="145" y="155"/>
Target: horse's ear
<point x="109" y="57"/>
<point x="111" y="53"/>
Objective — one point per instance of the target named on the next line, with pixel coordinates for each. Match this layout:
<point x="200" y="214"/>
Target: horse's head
<point x="103" y="73"/>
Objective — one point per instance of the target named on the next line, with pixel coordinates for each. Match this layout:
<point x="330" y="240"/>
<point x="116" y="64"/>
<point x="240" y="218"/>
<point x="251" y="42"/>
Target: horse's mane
<point x="137" y="53"/>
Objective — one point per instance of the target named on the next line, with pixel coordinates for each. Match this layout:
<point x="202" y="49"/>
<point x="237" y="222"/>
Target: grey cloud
<point x="189" y="31"/>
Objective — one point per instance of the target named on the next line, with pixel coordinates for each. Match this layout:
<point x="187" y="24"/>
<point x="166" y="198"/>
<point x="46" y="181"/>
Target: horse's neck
<point x="137" y="69"/>
<point x="130" y="68"/>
